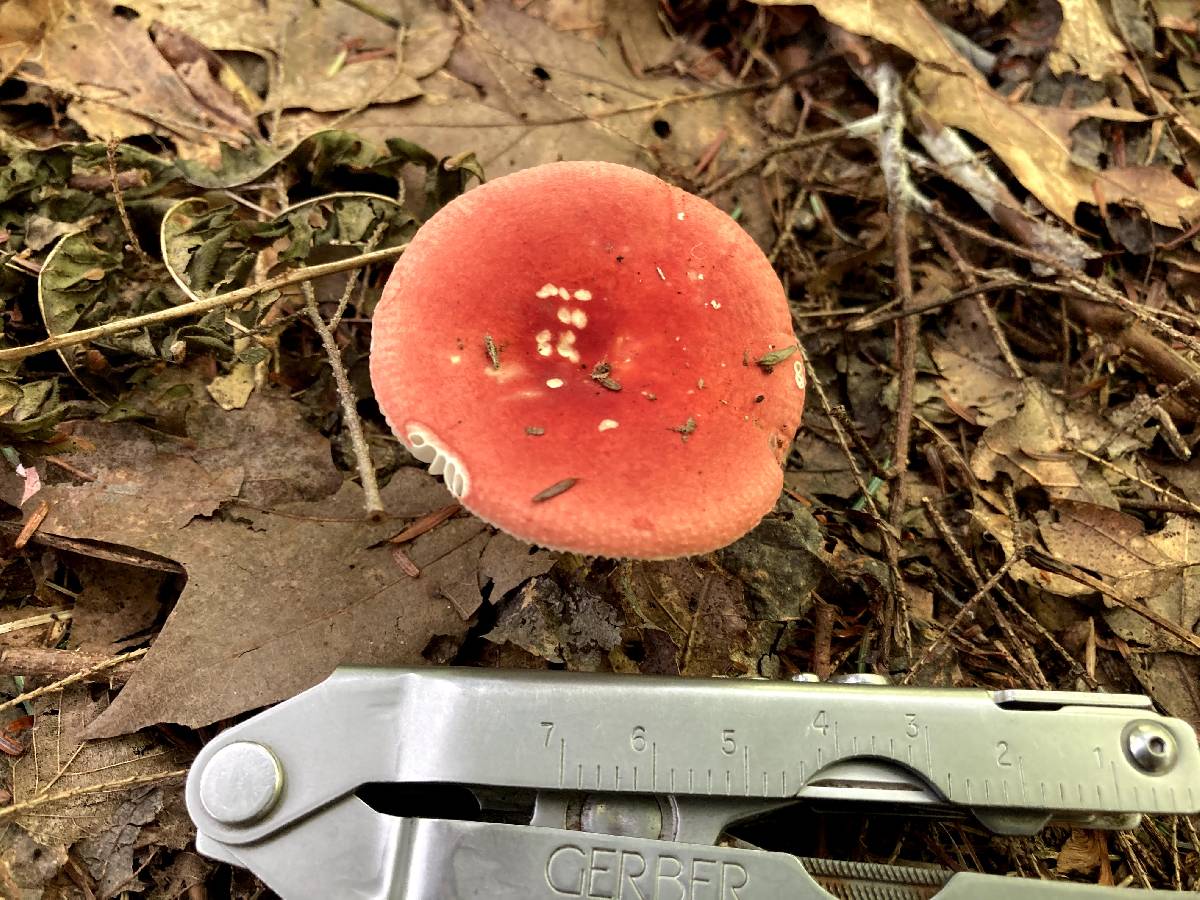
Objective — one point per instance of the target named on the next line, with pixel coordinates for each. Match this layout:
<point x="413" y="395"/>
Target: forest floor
<point x="985" y="214"/>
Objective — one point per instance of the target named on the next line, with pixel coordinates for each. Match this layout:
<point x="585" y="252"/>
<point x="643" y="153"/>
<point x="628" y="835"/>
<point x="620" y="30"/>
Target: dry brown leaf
<point x="322" y="56"/>
<point x="491" y="99"/>
<point x="25" y="865"/>
<point x="1000" y="528"/>
<point x="1085" y="43"/>
<point x="1158" y="570"/>
<point x="274" y="599"/>
<point x="1173" y="680"/>
<point x="1034" y="142"/>
<point x="63" y="760"/>
<point x="1083" y="853"/>
<point x="109" y="853"/>
<point x="989" y="390"/>
<point x="119" y="83"/>
<point x="906" y="24"/>
<point x="1030" y="447"/>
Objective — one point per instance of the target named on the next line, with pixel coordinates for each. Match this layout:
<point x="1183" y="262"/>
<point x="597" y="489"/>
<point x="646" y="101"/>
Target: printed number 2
<point x="1002" y="754"/>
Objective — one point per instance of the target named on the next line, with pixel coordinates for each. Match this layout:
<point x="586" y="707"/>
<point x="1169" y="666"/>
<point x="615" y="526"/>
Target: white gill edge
<point x="425" y="446"/>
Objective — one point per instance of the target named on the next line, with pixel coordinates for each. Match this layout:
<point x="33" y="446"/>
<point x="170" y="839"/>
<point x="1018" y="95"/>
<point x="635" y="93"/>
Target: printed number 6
<point x="637" y="740"/>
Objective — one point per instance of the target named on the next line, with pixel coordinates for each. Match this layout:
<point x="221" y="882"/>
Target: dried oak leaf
<point x="586" y="103"/>
<point x="274" y="599"/>
<point x="119" y="82"/>
<point x="327" y="57"/>
<point x="1158" y="570"/>
<point x="62" y="759"/>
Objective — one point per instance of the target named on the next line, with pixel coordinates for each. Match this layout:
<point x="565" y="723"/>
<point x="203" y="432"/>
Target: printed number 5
<point x="728" y="742"/>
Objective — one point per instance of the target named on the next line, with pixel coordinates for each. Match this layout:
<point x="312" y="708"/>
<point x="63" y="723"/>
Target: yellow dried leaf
<point x="906" y="24"/>
<point x="1085" y="43"/>
<point x="1034" y="142"/>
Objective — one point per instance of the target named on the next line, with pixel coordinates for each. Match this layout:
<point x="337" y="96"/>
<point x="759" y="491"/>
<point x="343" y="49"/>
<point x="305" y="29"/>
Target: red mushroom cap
<point x="594" y="361"/>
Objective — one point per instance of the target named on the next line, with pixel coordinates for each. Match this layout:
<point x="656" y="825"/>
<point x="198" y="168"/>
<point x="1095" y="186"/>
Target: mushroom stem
<point x="362" y="454"/>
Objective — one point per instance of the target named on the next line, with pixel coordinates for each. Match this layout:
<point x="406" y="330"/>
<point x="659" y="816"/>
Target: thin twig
<point x="900" y="194"/>
<point x="16" y="809"/>
<point x="295" y="276"/>
<point x="72" y="679"/>
<point x="362" y="453"/>
<point x="134" y="245"/>
<point x="861" y="128"/>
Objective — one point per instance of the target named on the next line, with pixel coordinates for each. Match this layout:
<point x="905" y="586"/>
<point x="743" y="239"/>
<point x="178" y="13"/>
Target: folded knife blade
<point x="634" y="779"/>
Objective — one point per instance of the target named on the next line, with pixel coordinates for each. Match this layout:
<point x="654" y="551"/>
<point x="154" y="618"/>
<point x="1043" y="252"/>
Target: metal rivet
<point x="241" y="783"/>
<point x="860" y="678"/>
<point x="1151" y="747"/>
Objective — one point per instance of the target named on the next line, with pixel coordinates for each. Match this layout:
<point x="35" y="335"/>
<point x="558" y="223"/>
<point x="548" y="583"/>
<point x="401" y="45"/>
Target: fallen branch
<point x="295" y="276"/>
<point x="70" y="679"/>
<point x="42" y="662"/>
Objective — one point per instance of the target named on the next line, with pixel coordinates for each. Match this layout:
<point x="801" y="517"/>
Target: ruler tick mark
<point x="746" y="767"/>
<point x="562" y="761"/>
<point x="653" y="766"/>
<point x="728" y="783"/>
<point x="617" y="777"/>
<point x="672" y="779"/>
<point x="892" y="747"/>
<point x="854" y="745"/>
<point x="1116" y="781"/>
<point x="598" y="785"/>
<point x="635" y="778"/>
<point x="579" y="781"/>
<point x="691" y="780"/>
<point x="928" y="753"/>
<point x="1021" y="776"/>
<point x="765" y="788"/>
<point x="710" y="782"/>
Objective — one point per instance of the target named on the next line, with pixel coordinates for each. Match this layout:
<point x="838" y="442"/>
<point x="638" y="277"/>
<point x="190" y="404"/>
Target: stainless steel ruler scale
<point x="633" y="780"/>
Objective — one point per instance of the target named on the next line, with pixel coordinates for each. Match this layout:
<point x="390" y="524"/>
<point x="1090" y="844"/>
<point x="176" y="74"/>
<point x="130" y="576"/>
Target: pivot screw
<point x="1151" y="747"/>
<point x="241" y="783"/>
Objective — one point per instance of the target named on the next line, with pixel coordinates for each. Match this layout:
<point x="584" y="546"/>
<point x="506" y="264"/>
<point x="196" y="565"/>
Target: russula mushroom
<point x="594" y="361"/>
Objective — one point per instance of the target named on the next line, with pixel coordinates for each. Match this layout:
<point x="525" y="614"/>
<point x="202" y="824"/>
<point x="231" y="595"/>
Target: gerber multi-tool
<point x="624" y="787"/>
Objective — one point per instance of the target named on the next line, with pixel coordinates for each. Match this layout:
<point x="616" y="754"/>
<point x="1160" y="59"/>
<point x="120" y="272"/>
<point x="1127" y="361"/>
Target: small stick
<point x="823" y="614"/>
<point x="204" y="304"/>
<point x="134" y="245"/>
<point x="71" y="679"/>
<point x="7" y="812"/>
<point x="861" y="128"/>
<point x="44" y="662"/>
<point x="362" y="453"/>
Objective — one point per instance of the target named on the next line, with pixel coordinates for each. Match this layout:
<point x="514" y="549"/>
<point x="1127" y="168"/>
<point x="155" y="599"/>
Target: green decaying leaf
<point x="73" y="279"/>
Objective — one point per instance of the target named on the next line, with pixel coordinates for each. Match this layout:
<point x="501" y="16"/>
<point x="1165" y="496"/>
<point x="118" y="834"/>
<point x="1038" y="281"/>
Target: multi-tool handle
<point x="276" y="793"/>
